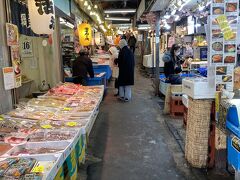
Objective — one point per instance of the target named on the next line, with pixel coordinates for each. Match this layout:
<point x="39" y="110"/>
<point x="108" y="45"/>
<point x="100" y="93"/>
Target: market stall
<point x="47" y="133"/>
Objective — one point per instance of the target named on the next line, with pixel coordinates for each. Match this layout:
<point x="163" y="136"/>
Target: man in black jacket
<point x="81" y="67"/>
<point x="132" y="42"/>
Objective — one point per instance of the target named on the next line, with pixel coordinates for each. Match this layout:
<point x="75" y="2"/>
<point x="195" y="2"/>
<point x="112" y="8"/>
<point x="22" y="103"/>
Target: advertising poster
<point x="12" y="34"/>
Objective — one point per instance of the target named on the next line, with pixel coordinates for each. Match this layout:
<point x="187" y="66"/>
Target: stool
<point x="176" y="105"/>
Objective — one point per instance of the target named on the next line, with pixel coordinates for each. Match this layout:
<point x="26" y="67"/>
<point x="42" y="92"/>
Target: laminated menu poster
<point x="9" y="78"/>
<point x="12" y="34"/>
<point x="224" y="77"/>
<point x="223" y="30"/>
<point x="223" y="23"/>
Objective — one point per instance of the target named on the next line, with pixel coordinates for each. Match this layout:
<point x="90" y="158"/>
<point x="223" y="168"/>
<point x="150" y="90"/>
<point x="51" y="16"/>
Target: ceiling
<point x="160" y="5"/>
<point x="118" y="5"/>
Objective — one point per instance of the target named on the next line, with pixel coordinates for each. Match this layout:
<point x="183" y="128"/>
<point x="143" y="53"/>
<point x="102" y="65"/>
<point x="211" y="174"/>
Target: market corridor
<point x="132" y="140"/>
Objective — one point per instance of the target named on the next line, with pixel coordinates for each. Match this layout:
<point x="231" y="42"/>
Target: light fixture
<point x="167" y="26"/>
<point x="173" y="12"/>
<point x="176" y="17"/>
<point x="95" y="6"/>
<point x="107" y="15"/>
<point x="185" y="3"/>
<point x="179" y="3"/>
<point x="117" y="19"/>
<point x="85" y="3"/>
<point x="89" y="7"/>
<point x="116" y="11"/>
<point x="197" y="25"/>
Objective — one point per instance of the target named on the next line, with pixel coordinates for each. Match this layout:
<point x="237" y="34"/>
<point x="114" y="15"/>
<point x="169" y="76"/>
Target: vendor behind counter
<point x="172" y="65"/>
<point x="82" y="67"/>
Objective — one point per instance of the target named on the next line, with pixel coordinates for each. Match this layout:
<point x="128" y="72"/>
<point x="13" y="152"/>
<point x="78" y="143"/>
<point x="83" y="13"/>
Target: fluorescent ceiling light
<point x="116" y="11"/>
<point x="117" y="19"/>
<point x="143" y="28"/>
<point x="185" y="3"/>
<point x="144" y="25"/>
<point x="67" y="24"/>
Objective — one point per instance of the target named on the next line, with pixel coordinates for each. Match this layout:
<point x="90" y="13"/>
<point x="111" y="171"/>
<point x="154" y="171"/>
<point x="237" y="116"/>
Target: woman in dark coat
<point x="126" y="65"/>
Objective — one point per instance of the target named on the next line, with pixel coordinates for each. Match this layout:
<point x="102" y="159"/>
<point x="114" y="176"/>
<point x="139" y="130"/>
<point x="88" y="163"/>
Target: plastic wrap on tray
<point x="6" y="163"/>
<point x="21" y="167"/>
<point x="7" y="126"/>
<point x="52" y="136"/>
<point x="4" y="147"/>
<point x="47" y="102"/>
<point x="21" y="150"/>
<point x="16" y="138"/>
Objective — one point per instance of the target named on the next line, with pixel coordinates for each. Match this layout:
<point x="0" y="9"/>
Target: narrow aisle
<point x="130" y="138"/>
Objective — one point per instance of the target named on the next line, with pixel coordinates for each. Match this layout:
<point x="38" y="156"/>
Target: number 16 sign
<point x="26" y="48"/>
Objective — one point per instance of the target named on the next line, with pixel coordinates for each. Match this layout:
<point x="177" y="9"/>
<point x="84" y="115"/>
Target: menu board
<point x="223" y="42"/>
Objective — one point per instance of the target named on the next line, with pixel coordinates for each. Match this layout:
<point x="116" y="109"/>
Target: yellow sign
<point x="67" y="109"/>
<point x="225" y="28"/>
<point x="85" y="34"/>
<point x="38" y="169"/>
<point x="71" y="124"/>
<point x="47" y="126"/>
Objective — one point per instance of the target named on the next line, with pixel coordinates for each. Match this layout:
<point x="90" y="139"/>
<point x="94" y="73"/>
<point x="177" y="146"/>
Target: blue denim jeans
<point x="125" y="92"/>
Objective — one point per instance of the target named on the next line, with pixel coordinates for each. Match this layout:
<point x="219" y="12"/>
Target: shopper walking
<point x="172" y="65"/>
<point x="126" y="65"/>
<point x="82" y="67"/>
<point x="132" y="42"/>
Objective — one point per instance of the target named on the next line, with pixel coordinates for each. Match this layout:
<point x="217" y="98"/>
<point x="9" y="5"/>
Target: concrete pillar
<point x="5" y="96"/>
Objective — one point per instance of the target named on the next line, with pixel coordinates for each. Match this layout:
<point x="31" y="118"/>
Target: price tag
<point x="67" y="109"/>
<point x="47" y="126"/>
<point x="71" y="124"/>
<point x="38" y="169"/>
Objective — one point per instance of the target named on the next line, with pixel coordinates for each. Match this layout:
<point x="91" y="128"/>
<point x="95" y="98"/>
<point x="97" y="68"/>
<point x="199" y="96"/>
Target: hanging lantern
<point x="85" y="34"/>
<point x="99" y="39"/>
<point x="116" y="40"/>
<point x="42" y="17"/>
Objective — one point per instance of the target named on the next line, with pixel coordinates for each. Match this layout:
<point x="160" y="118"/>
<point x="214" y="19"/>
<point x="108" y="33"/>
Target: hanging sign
<point x="42" y="16"/>
<point x="85" y="34"/>
<point x="99" y="39"/>
<point x="9" y="78"/>
<point x="12" y="34"/>
<point x="27" y="48"/>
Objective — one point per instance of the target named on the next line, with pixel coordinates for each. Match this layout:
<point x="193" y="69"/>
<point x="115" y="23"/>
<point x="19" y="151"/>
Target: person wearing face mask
<point x="172" y="65"/>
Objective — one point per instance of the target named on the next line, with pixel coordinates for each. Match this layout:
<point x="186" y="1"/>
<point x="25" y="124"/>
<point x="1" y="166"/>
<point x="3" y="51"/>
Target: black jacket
<point x="126" y="65"/>
<point x="132" y="41"/>
<point x="171" y="66"/>
<point x="82" y="66"/>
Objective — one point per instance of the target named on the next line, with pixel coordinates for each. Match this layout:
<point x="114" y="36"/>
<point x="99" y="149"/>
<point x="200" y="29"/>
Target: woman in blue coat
<point x="126" y="65"/>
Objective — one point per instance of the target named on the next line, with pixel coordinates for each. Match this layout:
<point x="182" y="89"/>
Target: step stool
<point x="176" y="105"/>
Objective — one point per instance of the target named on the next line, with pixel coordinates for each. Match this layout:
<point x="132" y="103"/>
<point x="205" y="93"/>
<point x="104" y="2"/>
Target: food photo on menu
<point x="221" y="70"/>
<point x="230" y="48"/>
<point x="217" y="46"/>
<point x="227" y="78"/>
<point x="219" y="87"/>
<point x="218" y="10"/>
<point x="217" y="58"/>
<point x="229" y="59"/>
<point x="231" y="7"/>
<point x="217" y="33"/>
